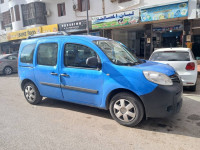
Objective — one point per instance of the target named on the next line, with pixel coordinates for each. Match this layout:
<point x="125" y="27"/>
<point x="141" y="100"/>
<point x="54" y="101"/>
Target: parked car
<point x="182" y="60"/>
<point x="97" y="72"/>
<point x="8" y="64"/>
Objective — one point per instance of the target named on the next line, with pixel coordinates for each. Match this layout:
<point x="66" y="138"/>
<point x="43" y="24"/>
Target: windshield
<point x="170" y="56"/>
<point x="117" y="53"/>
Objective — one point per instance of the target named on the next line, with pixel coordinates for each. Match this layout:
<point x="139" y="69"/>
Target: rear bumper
<point x="164" y="101"/>
<point x="189" y="78"/>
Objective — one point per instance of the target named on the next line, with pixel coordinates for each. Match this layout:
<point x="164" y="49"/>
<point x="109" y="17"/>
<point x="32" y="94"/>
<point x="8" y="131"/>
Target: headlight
<point x="158" y="78"/>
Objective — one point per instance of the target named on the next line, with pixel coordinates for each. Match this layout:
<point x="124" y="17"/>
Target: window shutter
<point x="88" y="4"/>
<point x="59" y="10"/>
<point x="80" y="5"/>
<point x="64" y="12"/>
<point x="17" y="14"/>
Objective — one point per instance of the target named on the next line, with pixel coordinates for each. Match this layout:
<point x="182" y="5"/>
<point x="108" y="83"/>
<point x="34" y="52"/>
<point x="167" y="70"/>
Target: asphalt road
<point x="60" y="125"/>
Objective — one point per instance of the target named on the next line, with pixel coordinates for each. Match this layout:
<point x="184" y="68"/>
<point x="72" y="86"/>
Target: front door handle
<point x="64" y="75"/>
<point x="54" y="74"/>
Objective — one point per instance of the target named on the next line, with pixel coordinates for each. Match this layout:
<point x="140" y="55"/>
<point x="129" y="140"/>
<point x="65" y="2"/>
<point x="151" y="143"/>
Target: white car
<point x="182" y="60"/>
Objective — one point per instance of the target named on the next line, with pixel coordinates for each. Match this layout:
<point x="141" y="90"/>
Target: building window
<point x="61" y="9"/>
<point x="12" y="15"/>
<point x="17" y="14"/>
<point x="82" y="5"/>
<point x="34" y="13"/>
<point x="6" y="19"/>
<point x="121" y="1"/>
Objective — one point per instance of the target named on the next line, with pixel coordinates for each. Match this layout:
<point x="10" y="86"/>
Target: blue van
<point x="97" y="72"/>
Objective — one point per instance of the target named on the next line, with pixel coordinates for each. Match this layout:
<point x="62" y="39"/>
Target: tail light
<point x="190" y="66"/>
<point x="0" y="61"/>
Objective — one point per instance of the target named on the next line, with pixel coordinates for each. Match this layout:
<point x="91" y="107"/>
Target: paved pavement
<point x="61" y="125"/>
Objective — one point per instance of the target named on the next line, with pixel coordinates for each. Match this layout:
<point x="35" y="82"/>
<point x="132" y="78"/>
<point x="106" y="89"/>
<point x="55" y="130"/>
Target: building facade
<point x="142" y="25"/>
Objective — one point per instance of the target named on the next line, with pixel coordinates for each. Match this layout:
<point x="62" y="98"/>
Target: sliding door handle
<point x="54" y="74"/>
<point x="64" y="75"/>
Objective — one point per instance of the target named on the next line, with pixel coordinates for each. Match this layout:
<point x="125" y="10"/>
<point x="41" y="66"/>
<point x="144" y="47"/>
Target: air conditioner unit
<point x="75" y="7"/>
<point x="48" y="13"/>
<point x="113" y="1"/>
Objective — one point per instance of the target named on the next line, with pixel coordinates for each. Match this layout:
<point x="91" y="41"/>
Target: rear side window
<point x="27" y="54"/>
<point x="170" y="56"/>
<point x="47" y="54"/>
<point x="76" y="55"/>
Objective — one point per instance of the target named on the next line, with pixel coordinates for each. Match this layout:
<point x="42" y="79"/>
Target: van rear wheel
<point x="126" y="109"/>
<point x="32" y="94"/>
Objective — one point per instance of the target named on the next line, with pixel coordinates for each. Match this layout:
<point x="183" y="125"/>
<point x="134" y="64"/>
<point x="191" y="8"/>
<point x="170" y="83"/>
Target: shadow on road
<point x="12" y="75"/>
<point x="180" y="124"/>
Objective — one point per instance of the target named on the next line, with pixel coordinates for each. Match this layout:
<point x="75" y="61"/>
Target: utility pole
<point x="87" y="19"/>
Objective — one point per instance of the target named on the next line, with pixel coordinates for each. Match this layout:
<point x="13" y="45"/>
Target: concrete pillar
<point x="148" y="48"/>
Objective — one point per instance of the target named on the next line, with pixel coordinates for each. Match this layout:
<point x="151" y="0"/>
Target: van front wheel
<point x="32" y="94"/>
<point x="126" y="109"/>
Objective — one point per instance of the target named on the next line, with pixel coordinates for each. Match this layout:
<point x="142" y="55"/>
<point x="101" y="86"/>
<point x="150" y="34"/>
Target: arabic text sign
<point x="115" y="20"/>
<point x="164" y="12"/>
<point x="22" y="34"/>
<point x="73" y="26"/>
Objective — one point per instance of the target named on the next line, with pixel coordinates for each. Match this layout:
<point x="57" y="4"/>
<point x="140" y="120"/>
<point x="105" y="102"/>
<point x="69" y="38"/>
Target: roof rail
<point x="47" y="34"/>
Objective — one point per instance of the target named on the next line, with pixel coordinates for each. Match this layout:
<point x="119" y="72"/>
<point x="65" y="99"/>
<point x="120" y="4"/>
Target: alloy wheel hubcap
<point x="30" y="93"/>
<point x="8" y="70"/>
<point x="124" y="110"/>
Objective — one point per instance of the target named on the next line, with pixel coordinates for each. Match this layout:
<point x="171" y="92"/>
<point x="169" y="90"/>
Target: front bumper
<point x="164" y="101"/>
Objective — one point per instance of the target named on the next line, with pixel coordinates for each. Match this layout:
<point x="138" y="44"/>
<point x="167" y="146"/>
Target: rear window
<point x="170" y="56"/>
<point x="27" y="54"/>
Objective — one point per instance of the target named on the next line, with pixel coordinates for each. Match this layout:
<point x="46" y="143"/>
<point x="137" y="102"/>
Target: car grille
<point x="175" y="78"/>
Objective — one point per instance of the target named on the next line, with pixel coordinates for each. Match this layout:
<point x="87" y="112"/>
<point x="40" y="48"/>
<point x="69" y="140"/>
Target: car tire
<point x="126" y="109"/>
<point x="32" y="94"/>
<point x="7" y="70"/>
<point x="192" y="88"/>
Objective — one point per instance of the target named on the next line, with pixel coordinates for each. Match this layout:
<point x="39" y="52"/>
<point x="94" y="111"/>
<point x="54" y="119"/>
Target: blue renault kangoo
<point x="97" y="72"/>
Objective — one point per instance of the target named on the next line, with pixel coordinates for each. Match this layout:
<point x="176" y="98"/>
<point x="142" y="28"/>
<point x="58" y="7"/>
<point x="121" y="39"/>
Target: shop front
<point x="166" y="26"/>
<point x="10" y="42"/>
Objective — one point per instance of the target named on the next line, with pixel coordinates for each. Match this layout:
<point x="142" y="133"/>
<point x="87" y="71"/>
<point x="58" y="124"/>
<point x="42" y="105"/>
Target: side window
<point x="76" y="55"/>
<point x="12" y="57"/>
<point x="47" y="54"/>
<point x="27" y="54"/>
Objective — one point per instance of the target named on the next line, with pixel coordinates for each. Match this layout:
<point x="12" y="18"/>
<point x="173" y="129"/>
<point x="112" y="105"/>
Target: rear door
<point x="46" y="69"/>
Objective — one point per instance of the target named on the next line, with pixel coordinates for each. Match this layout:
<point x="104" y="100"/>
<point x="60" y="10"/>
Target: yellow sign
<point x="23" y="34"/>
<point x="50" y="28"/>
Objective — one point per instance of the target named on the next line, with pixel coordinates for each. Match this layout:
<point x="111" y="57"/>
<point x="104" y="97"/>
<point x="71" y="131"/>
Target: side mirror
<point x="92" y="62"/>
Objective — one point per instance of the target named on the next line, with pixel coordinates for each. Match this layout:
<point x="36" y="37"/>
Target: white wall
<point x="71" y="15"/>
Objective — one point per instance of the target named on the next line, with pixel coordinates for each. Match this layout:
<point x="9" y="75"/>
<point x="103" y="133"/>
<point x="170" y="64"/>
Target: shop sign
<point x="73" y="26"/>
<point x="164" y="12"/>
<point x="50" y="28"/>
<point x="163" y="29"/>
<point x="115" y="20"/>
<point x="3" y="38"/>
<point x="22" y="34"/>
